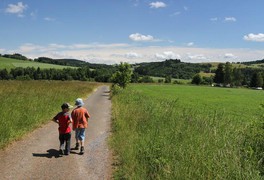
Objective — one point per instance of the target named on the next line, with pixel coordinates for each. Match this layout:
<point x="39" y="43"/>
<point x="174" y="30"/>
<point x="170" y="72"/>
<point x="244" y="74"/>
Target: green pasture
<point x="180" y="81"/>
<point x="7" y="63"/>
<point x="25" y="105"/>
<point x="257" y="65"/>
<point x="188" y="132"/>
<point x="235" y="65"/>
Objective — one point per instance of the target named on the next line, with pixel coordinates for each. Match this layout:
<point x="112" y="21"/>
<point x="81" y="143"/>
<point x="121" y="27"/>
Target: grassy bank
<point x="187" y="132"/>
<point x="26" y="105"/>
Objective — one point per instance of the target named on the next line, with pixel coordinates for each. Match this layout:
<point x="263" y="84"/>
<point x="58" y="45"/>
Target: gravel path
<point x="36" y="156"/>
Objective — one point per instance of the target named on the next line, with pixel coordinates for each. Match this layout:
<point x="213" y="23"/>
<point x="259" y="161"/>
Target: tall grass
<point x="166" y="132"/>
<point x="26" y="105"/>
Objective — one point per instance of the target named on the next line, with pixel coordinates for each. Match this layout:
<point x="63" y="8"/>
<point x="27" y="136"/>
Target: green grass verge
<point x="26" y="105"/>
<point x="187" y="132"/>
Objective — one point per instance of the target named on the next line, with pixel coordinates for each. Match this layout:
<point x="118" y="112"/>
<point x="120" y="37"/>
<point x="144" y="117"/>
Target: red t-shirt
<point x="63" y="119"/>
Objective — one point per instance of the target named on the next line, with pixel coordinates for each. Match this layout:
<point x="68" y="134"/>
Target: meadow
<point x="187" y="132"/>
<point x="26" y="105"/>
<point x="7" y="63"/>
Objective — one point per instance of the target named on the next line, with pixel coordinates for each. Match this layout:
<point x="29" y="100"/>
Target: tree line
<point x="82" y="74"/>
<point x="172" y="67"/>
<point x="229" y="76"/>
<point x="225" y="74"/>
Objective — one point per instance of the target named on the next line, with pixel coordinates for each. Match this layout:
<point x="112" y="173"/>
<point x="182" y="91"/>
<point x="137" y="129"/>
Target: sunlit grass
<point x="185" y="132"/>
<point x="26" y="105"/>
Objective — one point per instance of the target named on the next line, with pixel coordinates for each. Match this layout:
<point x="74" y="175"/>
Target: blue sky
<point x="133" y="31"/>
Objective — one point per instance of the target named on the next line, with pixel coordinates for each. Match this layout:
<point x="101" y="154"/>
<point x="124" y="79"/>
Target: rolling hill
<point x="9" y="63"/>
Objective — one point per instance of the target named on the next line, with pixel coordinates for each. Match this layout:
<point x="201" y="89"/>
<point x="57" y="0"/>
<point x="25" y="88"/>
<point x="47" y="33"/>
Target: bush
<point x="115" y="89"/>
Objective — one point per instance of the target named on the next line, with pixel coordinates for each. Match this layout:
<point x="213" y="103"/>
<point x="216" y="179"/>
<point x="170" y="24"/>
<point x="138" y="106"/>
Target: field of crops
<point x="188" y="132"/>
<point x="13" y="63"/>
<point x="26" y="105"/>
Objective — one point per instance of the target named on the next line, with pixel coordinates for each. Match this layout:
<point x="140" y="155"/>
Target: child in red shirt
<point x="63" y="118"/>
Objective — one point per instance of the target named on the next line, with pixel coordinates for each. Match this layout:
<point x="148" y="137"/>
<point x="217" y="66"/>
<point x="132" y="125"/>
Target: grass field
<point x="13" y="63"/>
<point x="188" y="132"/>
<point x="26" y="105"/>
<point x="180" y="81"/>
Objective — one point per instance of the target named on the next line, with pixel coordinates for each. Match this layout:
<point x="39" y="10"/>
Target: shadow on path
<point x="50" y="154"/>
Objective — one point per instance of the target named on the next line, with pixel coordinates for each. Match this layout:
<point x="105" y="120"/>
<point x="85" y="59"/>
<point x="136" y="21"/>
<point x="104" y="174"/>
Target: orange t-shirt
<point x="80" y="117"/>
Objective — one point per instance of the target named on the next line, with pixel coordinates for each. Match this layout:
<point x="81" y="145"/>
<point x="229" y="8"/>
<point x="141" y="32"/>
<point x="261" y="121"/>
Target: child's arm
<point x="55" y="120"/>
<point x="69" y="121"/>
<point x="87" y="115"/>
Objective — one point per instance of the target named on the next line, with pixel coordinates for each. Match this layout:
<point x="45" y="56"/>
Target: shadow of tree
<point x="50" y="154"/>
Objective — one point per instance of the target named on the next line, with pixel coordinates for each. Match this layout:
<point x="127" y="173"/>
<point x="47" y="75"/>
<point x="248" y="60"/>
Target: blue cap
<point x="79" y="102"/>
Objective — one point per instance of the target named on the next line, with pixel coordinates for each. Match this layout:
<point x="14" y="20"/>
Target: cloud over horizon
<point x="116" y="53"/>
<point x="254" y="37"/>
<point x="141" y="37"/>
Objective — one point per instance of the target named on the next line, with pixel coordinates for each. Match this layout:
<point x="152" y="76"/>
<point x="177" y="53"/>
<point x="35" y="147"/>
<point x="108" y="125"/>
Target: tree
<point x="228" y="73"/>
<point x="135" y="77"/>
<point x="207" y="80"/>
<point x="123" y="75"/>
<point x="4" y="74"/>
<point x="197" y="79"/>
<point x="219" y="74"/>
<point x="238" y="77"/>
<point x="256" y="80"/>
<point x="146" y="79"/>
<point x="168" y="79"/>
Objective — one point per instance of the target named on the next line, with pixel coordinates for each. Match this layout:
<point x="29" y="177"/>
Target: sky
<point x="134" y="31"/>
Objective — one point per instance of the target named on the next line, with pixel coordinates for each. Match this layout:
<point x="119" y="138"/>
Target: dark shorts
<point x="65" y="137"/>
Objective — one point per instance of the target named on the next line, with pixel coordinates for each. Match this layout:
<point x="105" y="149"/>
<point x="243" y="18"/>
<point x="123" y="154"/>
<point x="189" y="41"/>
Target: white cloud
<point x="132" y="55"/>
<point x="167" y="55"/>
<point x="214" y="19"/>
<point x="190" y="44"/>
<point x="230" y="19"/>
<point x="157" y="4"/>
<point x="198" y="57"/>
<point x="141" y="37"/>
<point x="49" y="19"/>
<point x="229" y="56"/>
<point x="116" y="53"/>
<point x="254" y="37"/>
<point x="33" y="14"/>
<point x="18" y="9"/>
<point x="28" y="47"/>
<point x="176" y="13"/>
<point x="135" y="2"/>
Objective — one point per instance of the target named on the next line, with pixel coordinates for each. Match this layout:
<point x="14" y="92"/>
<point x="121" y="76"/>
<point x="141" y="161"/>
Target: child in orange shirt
<point x="80" y="118"/>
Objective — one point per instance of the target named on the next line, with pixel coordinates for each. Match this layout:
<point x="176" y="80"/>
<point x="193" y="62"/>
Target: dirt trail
<point x="36" y="156"/>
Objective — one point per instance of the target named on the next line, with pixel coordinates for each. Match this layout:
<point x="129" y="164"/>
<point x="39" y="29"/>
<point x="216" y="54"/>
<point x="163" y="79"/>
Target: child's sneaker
<point x="66" y="153"/>
<point x="82" y="150"/>
<point x="60" y="152"/>
<point x="77" y="146"/>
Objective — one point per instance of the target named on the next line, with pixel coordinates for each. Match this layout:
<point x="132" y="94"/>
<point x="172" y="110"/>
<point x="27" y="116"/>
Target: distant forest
<point x="224" y="75"/>
<point x="174" y="68"/>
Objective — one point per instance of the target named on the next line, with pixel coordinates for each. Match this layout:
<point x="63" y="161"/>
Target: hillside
<point x="71" y="62"/>
<point x="173" y="68"/>
<point x="9" y="63"/>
